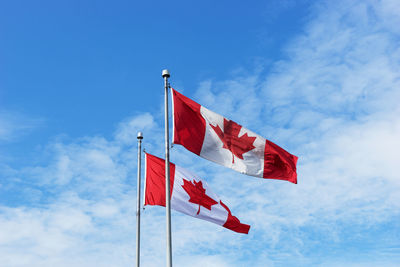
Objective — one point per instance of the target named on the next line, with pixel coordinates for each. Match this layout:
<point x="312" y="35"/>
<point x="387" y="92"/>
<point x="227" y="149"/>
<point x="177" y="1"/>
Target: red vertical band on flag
<point x="155" y="180"/>
<point x="189" y="125"/>
<point x="279" y="164"/>
<point x="233" y="223"/>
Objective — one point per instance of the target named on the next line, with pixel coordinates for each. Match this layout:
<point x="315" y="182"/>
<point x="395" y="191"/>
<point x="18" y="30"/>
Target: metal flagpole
<point x="166" y="75"/>
<point x="139" y="140"/>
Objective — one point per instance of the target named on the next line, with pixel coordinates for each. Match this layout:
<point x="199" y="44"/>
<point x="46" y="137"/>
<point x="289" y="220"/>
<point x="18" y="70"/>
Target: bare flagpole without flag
<point x="166" y="75"/>
<point x="139" y="140"/>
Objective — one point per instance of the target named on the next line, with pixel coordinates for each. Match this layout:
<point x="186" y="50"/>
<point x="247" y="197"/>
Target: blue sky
<point x="79" y="79"/>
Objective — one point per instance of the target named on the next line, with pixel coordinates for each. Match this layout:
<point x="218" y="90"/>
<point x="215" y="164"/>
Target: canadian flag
<point x="189" y="195"/>
<point x="225" y="142"/>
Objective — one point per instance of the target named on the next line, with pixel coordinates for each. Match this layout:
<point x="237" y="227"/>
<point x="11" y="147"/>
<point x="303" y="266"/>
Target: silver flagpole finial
<point x="165" y="73"/>
<point x="139" y="135"/>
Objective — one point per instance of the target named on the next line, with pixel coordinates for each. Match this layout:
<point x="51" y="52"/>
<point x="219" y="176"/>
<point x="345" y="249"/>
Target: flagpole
<point x="166" y="75"/>
<point x="139" y="140"/>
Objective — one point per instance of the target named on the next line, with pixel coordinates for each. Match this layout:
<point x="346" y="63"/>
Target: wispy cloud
<point x="13" y="125"/>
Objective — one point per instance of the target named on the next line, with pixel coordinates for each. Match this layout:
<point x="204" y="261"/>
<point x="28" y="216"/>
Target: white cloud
<point x="13" y="125"/>
<point x="127" y="131"/>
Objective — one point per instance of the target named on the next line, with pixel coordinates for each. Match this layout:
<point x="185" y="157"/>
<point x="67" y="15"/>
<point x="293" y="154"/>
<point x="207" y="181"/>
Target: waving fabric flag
<point x="189" y="195"/>
<point x="225" y="142"/>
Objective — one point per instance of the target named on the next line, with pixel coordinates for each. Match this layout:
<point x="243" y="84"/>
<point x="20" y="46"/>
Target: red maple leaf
<point x="197" y="194"/>
<point x="230" y="137"/>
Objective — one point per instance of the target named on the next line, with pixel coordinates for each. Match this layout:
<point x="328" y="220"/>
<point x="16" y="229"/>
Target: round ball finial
<point x="165" y="73"/>
<point x="139" y="135"/>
